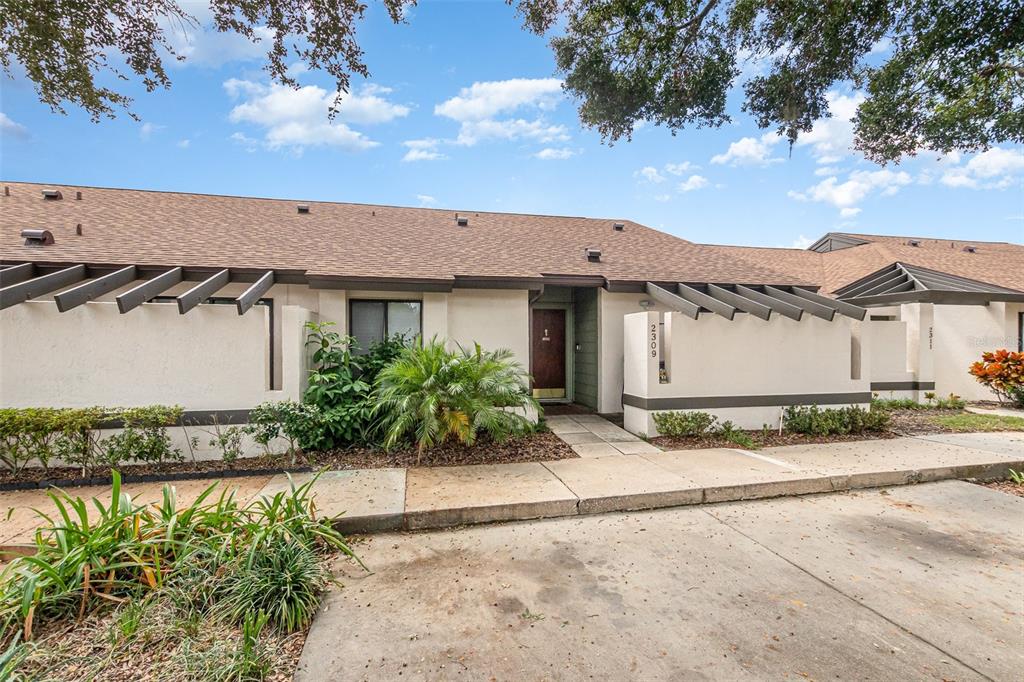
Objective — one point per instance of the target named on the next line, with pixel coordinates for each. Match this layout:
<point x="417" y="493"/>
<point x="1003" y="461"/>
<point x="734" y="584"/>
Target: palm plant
<point x="432" y="394"/>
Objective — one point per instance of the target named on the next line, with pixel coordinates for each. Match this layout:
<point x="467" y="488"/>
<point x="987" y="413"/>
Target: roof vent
<point x="971" y="249"/>
<point x="461" y="220"/>
<point x="52" y="194"/>
<point x="594" y="255"/>
<point x="914" y="242"/>
<point x="303" y="208"/>
<point x="618" y="227"/>
<point x="37" y="237"/>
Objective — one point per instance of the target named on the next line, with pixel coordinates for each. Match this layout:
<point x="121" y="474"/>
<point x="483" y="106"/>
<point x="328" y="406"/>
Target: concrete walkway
<point x="419" y="498"/>
<point x="911" y="583"/>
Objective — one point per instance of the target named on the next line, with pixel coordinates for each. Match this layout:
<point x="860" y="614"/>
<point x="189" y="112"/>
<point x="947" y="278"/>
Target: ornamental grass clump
<point x="430" y="394"/>
<point x="130" y="551"/>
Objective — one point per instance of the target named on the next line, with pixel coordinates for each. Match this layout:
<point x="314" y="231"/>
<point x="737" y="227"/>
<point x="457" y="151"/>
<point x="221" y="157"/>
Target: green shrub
<point x="815" y="421"/>
<point x="1016" y="396"/>
<point x="131" y="550"/>
<point x="298" y="423"/>
<point x="143" y="438"/>
<point x="735" y="435"/>
<point x="431" y="394"/>
<point x="897" y="404"/>
<point x="952" y="402"/>
<point x="683" y="424"/>
<point x="340" y="386"/>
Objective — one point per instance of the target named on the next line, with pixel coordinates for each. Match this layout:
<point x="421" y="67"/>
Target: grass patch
<point x="968" y="421"/>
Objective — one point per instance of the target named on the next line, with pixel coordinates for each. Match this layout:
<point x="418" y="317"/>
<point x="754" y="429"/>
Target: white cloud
<point x="477" y="108"/>
<point x="8" y="127"/>
<point x="848" y="212"/>
<point x="857" y="187"/>
<point x="472" y="132"/>
<point x="147" y="129"/>
<point x="426" y="200"/>
<point x="650" y="174"/>
<point x="826" y="170"/>
<point x="693" y="182"/>
<point x="995" y="168"/>
<point x="801" y="242"/>
<point x="551" y="154"/>
<point x="488" y="99"/>
<point x="423" y="150"/>
<point x="662" y="197"/>
<point x="680" y="168"/>
<point x="831" y="138"/>
<point x="184" y="144"/>
<point x="298" y="118"/>
<point x="750" y="151"/>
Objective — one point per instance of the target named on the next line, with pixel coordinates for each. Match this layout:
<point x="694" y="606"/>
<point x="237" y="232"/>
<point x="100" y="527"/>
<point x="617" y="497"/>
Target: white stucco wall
<point x="961" y="334"/>
<point x="211" y="358"/>
<point x="888" y="350"/>
<point x="612" y="309"/>
<point x="494" y="318"/>
<point x="715" y="357"/>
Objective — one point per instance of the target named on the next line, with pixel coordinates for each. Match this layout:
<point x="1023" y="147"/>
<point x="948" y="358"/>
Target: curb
<point x="435" y="519"/>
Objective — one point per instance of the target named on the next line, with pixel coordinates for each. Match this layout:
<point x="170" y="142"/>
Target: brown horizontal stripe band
<point x="902" y="385"/>
<point x="719" y="401"/>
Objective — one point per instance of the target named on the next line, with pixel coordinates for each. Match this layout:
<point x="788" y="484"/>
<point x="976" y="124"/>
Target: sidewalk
<point x="421" y="498"/>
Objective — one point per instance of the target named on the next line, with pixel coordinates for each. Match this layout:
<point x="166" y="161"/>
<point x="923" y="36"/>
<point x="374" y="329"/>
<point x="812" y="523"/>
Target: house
<point x="129" y="297"/>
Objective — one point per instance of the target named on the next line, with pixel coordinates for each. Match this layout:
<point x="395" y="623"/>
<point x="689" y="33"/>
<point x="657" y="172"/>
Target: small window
<point x="371" y="322"/>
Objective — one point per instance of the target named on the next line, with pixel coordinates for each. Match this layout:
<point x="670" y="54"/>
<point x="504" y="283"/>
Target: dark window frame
<point x="230" y="300"/>
<point x="384" y="302"/>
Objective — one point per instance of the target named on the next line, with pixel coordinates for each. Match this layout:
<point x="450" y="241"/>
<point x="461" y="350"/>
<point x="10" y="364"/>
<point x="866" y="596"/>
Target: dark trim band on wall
<point x="720" y="401"/>
<point x="903" y="386"/>
<point x="196" y="418"/>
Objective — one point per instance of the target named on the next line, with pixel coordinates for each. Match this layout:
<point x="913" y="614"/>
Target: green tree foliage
<point x="952" y="77"/>
<point x="68" y="48"/>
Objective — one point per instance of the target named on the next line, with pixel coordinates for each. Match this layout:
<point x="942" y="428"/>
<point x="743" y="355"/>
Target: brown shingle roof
<point x="352" y="240"/>
<point x="999" y="263"/>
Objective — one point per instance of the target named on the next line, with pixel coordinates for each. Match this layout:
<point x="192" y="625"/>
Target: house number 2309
<point x="654" y="340"/>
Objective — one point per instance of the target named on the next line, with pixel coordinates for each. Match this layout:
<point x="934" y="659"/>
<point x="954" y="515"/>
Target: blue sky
<point x="463" y="110"/>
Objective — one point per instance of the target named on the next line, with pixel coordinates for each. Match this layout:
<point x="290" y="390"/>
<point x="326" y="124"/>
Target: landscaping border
<point x="45" y="483"/>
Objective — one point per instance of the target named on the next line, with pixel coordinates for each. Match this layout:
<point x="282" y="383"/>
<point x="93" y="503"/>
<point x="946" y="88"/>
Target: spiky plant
<point x="430" y="393"/>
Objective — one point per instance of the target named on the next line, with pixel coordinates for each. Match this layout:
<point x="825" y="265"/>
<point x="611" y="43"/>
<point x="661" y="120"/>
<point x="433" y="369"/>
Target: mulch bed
<point x="919" y="422"/>
<point x="762" y="440"/>
<point x="1008" y="487"/>
<point x="535" y="447"/>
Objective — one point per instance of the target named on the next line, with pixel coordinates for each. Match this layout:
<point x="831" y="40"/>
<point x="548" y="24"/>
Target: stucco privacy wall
<point x="961" y="334"/>
<point x="210" y="359"/>
<point x="613" y="307"/>
<point x="888" y="350"/>
<point x="729" y="361"/>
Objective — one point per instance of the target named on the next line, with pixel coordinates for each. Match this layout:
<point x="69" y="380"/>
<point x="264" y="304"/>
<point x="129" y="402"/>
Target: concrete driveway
<point x="916" y="582"/>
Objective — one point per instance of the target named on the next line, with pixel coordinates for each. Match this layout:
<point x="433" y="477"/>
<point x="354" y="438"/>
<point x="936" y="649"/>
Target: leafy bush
<point x="299" y="423"/>
<point x="1016" y="395"/>
<point x="227" y="439"/>
<point x="815" y="421"/>
<point x="143" y="437"/>
<point x="1002" y="371"/>
<point x="735" y="435"/>
<point x="951" y="402"/>
<point x="431" y="394"/>
<point x="72" y="435"/>
<point x="340" y="384"/>
<point x="131" y="550"/>
<point x="683" y="424"/>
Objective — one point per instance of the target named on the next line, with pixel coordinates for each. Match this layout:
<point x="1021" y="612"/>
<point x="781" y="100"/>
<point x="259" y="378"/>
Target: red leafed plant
<point x="1002" y="371"/>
